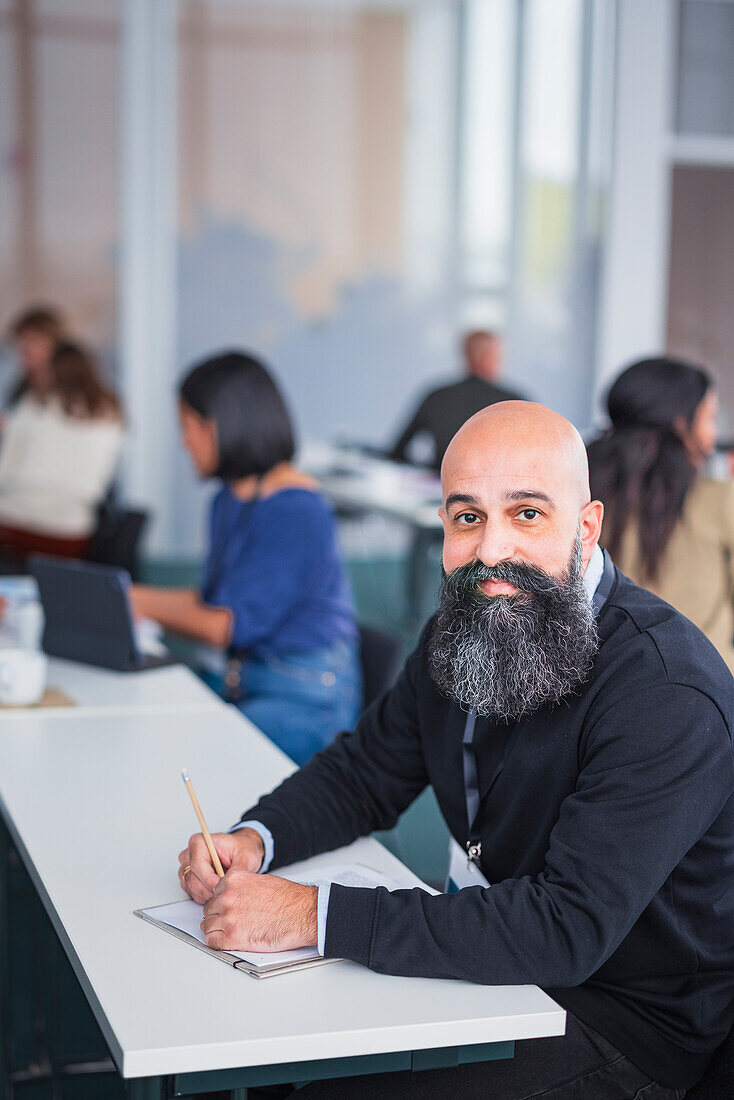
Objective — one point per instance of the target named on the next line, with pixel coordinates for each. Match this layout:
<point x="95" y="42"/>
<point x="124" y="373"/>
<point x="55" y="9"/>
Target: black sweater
<point x="442" y="412"/>
<point x="608" y="837"/>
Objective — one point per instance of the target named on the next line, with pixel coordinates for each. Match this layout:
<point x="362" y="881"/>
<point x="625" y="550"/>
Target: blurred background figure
<point x="668" y="526"/>
<point x="442" y="411"/>
<point x="557" y="173"/>
<point x="33" y="336"/>
<point x="275" y="594"/>
<point x="60" y="445"/>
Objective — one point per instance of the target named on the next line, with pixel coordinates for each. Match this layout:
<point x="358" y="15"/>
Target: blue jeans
<point x="302" y="700"/>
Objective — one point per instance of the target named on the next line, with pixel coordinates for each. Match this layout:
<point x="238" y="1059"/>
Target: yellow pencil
<point x="207" y="835"/>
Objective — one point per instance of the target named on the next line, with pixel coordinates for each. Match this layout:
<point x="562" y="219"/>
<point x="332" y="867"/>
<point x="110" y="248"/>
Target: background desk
<point x="410" y="495"/>
<point x="95" y="805"/>
<point x="352" y="479"/>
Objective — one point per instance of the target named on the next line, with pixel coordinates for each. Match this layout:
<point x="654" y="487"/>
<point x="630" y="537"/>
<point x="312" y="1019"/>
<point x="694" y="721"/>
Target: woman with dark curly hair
<point x="669" y="527"/>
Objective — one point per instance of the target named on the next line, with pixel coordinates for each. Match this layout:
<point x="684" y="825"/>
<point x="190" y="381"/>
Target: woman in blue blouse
<point x="275" y="594"/>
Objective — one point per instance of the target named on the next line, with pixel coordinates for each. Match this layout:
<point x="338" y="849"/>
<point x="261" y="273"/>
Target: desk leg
<point x="4" y="963"/>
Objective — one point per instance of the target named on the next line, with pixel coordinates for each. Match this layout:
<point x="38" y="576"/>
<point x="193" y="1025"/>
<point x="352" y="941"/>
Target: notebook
<point x="182" y="919"/>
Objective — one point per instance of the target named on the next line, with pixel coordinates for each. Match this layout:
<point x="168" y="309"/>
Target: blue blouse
<point x="275" y="563"/>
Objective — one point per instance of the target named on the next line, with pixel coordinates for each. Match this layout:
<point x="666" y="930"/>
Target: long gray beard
<point x="509" y="655"/>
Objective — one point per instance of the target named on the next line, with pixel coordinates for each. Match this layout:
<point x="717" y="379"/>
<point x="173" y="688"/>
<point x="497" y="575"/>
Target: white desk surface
<point x="96" y="806"/>
<point x="393" y="489"/>
<point x="171" y="688"/>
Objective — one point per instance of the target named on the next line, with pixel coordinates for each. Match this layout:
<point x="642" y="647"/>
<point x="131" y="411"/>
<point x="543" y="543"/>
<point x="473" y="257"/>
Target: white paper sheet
<point x="187" y="915"/>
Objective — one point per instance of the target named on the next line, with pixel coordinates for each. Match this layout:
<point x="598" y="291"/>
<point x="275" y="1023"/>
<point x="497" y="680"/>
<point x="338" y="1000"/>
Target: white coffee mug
<point x="22" y="676"/>
<point x="26" y="621"/>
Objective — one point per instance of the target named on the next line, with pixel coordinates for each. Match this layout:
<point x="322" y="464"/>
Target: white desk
<point x="158" y="690"/>
<point x="171" y="688"/>
<point x="406" y="493"/>
<point x="96" y="807"/>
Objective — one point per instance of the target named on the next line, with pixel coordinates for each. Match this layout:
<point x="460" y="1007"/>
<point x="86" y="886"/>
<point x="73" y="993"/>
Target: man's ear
<point x="590" y="521"/>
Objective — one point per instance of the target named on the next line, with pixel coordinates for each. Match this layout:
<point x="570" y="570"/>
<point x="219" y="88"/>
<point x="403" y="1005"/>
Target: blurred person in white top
<point x="60" y="445"/>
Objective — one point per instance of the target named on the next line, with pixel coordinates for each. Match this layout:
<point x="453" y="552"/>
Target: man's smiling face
<point x="515" y="489"/>
<point x="514" y="629"/>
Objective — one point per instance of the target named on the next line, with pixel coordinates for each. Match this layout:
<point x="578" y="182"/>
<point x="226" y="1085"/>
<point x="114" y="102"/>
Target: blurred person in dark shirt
<point x="443" y="411"/>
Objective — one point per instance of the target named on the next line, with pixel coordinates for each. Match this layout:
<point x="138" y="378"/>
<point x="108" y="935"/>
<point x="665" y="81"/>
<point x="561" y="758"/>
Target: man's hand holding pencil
<point x="244" y="911"/>
<point x="242" y="850"/>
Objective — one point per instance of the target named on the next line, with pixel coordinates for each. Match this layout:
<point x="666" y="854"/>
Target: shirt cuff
<point x="323" y="911"/>
<point x="265" y="835"/>
<point x="324" y="889"/>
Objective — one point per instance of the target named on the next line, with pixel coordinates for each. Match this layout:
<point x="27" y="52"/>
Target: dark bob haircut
<point x="254" y="429"/>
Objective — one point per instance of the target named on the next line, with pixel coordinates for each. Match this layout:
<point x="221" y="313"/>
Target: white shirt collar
<point x="594" y="571"/>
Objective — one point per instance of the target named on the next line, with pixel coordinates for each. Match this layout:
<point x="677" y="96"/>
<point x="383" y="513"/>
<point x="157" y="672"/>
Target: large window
<point x="486" y="133"/>
<point x="58" y="159"/>
<point x="704" y="102"/>
<point x="343" y="187"/>
<point x="701" y="264"/>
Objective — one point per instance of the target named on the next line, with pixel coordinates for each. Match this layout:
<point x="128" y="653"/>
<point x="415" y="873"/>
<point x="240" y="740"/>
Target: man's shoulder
<point x="501" y="393"/>
<point x="440" y="393"/>
<point x="646" y="644"/>
<point x="468" y="387"/>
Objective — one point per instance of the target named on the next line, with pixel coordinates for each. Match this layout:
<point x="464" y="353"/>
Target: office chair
<point x="117" y="537"/>
<point x="380" y="659"/>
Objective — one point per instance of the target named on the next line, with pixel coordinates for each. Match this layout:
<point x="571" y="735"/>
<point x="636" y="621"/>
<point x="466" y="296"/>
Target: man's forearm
<point x="329" y="803"/>
<point x="363" y="781"/>
<point x="267" y="843"/>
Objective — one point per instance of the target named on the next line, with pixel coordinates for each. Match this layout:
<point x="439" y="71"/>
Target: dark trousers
<point x="581" y="1065"/>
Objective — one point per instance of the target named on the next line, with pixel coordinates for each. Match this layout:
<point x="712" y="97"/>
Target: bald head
<point x="523" y="468"/>
<point x="522" y="436"/>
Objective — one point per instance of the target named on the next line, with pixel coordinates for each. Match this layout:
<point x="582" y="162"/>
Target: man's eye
<point x="467" y="517"/>
<point x="529" y="513"/>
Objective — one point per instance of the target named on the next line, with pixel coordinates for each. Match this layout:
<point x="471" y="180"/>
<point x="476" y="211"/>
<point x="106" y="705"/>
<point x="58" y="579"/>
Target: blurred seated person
<point x="275" y="594"/>
<point x="443" y="411"/>
<point x="668" y="527"/>
<point x="33" y="336"/>
<point x="59" y="450"/>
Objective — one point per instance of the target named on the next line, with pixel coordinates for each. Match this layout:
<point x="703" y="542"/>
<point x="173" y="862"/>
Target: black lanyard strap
<point x="471" y="780"/>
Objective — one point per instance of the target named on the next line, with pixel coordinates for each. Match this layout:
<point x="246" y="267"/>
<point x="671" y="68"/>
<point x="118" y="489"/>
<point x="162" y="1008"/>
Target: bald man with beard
<point x="577" y="732"/>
